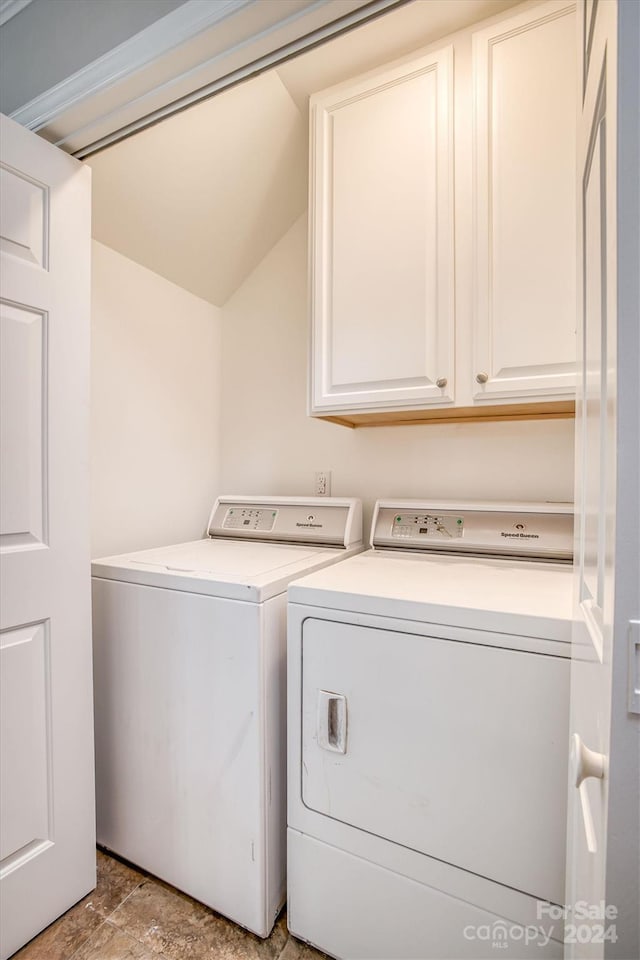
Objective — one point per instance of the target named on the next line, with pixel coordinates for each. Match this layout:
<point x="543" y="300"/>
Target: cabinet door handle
<point x="441" y="382"/>
<point x="482" y="377"/>
<point x="332" y="721"/>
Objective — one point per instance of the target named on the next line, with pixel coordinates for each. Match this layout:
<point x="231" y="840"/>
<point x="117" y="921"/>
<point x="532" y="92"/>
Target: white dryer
<point x="428" y="690"/>
<point x="190" y="698"/>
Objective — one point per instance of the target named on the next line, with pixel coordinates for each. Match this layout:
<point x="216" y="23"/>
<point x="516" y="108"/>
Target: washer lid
<point x="517" y="597"/>
<point x="228" y="560"/>
<point x="222" y="568"/>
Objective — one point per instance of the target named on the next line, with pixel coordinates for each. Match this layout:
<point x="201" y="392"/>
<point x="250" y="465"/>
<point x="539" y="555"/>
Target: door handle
<point x="585" y="763"/>
<point x="332" y="721"/>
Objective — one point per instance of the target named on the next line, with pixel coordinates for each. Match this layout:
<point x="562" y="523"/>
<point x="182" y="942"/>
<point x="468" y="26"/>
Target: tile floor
<point x="131" y="916"/>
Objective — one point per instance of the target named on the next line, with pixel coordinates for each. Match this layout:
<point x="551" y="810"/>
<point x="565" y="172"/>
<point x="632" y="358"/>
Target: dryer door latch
<point x="332" y="721"/>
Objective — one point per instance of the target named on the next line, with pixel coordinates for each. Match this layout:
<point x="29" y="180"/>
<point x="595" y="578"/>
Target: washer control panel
<point x="327" y="521"/>
<point x="437" y="525"/>
<point x="249" y="518"/>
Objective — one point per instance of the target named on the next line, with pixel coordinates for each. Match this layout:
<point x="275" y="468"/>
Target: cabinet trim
<point x="557" y="410"/>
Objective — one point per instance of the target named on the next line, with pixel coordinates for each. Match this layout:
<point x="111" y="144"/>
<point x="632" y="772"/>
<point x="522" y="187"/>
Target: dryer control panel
<point x="529" y="531"/>
<point x="439" y="525"/>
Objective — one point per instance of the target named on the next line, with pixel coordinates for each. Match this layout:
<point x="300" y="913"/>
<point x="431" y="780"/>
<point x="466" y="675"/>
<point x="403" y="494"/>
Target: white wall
<point x="155" y="408"/>
<point x="270" y="446"/>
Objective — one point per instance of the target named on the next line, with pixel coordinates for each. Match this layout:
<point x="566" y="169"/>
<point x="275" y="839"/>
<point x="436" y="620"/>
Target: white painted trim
<point x="9" y="8"/>
<point x="269" y="60"/>
<point x="172" y="30"/>
<point x="135" y="85"/>
<point x="201" y="92"/>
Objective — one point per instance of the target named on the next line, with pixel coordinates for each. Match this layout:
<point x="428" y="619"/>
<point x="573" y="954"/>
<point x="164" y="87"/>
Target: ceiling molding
<point x="150" y="116"/>
<point x="9" y="8"/>
<point x="199" y="48"/>
<point x="171" y="31"/>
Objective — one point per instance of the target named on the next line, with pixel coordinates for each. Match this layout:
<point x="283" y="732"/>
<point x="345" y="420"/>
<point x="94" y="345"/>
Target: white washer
<point x="428" y="690"/>
<point x="190" y="698"/>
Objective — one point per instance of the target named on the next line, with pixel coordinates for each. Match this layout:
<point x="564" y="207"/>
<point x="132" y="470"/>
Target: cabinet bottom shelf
<point x="550" y="410"/>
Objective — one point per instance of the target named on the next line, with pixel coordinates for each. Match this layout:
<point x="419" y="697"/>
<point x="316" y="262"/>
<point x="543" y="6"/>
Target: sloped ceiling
<point x="202" y="197"/>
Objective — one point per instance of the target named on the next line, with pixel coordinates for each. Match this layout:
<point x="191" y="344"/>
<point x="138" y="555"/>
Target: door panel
<point x="48" y="824"/>
<point x="525" y="103"/>
<point x="25" y="214"/>
<point x="23" y="398"/>
<point x="376" y="125"/>
<point x="25" y="734"/>
<point x="382" y="238"/>
<point x="453" y="749"/>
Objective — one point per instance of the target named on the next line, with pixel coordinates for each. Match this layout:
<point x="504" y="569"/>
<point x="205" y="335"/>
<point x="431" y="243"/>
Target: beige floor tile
<point x="116" y="881"/>
<point x="61" y="940"/>
<point x="172" y="924"/>
<point x="109" y="943"/>
<point x="297" y="950"/>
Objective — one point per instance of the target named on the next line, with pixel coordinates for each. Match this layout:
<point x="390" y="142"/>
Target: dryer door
<point x="452" y="749"/>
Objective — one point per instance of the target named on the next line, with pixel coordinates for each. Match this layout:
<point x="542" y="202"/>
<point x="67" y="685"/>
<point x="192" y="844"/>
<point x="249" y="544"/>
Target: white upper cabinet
<point x="524" y="83"/>
<point x="399" y="308"/>
<point x="382" y="239"/>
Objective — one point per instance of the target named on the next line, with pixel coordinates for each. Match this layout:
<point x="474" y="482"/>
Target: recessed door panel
<point x="25" y="210"/>
<point x="452" y="749"/>
<point x="380" y="231"/>
<point x="24" y="740"/>
<point x="22" y="425"/>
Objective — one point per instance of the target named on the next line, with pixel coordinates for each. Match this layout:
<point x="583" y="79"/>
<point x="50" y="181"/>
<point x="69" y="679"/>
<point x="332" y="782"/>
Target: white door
<point x="603" y="829"/>
<point x="47" y="858"/>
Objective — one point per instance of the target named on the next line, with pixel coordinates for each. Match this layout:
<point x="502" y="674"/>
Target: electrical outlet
<point x="322" y="486"/>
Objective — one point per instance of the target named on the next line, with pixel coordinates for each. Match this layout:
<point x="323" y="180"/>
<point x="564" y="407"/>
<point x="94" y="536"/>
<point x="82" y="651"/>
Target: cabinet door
<point x="525" y="91"/>
<point x="382" y="239"/>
